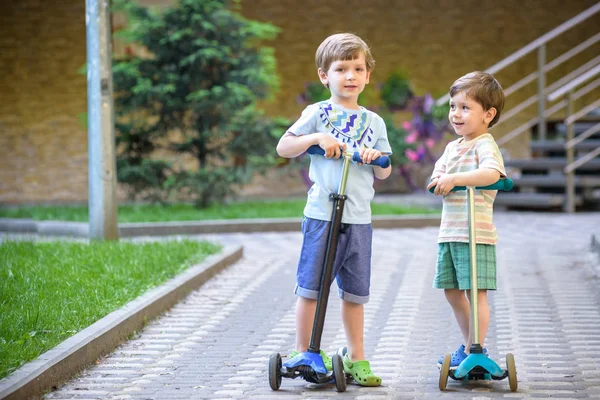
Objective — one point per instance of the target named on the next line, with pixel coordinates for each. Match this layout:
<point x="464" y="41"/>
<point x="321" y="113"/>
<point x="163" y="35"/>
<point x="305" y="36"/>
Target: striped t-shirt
<point x="462" y="156"/>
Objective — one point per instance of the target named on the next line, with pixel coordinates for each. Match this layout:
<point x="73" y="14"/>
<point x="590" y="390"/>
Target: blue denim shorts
<point x="352" y="266"/>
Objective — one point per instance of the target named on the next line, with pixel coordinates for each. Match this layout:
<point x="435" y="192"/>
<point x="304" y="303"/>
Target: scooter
<point x="478" y="366"/>
<point x="309" y="365"/>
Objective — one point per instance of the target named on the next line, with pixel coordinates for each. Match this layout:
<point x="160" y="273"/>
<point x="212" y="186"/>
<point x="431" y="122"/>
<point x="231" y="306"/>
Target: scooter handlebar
<point x="383" y="161"/>
<point x="505" y="184"/>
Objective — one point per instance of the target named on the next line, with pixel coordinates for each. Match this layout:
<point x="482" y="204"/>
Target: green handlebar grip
<point x="505" y="185"/>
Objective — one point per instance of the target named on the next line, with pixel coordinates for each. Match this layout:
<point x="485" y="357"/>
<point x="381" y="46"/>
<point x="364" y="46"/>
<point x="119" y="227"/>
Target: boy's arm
<point x="478" y="177"/>
<point x="368" y="156"/>
<point x="382" y="173"/>
<point x="381" y="148"/>
<point x="291" y="146"/>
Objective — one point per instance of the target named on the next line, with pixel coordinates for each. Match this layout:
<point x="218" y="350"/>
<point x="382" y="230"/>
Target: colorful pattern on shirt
<point x="461" y="156"/>
<point x="350" y="128"/>
<point x="356" y="128"/>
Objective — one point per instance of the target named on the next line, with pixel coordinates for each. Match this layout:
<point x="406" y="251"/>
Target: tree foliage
<point x="186" y="94"/>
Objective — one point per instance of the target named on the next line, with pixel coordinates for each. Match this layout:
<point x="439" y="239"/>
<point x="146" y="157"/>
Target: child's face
<point x="468" y="118"/>
<point x="346" y="80"/>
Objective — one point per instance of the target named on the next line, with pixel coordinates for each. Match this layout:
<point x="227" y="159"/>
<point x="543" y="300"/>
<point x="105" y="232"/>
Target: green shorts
<point x="453" y="270"/>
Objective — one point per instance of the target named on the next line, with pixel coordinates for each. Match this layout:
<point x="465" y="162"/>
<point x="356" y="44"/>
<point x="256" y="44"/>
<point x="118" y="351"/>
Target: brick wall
<point x="43" y="144"/>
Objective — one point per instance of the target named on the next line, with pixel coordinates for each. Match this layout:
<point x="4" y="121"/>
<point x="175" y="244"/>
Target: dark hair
<point x="484" y="89"/>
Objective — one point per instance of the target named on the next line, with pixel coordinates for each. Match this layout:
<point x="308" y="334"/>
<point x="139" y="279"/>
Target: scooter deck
<point x="307" y="365"/>
<point x="478" y="366"/>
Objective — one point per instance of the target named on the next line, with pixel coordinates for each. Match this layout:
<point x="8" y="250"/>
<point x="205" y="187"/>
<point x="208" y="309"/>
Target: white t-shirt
<point x="358" y="129"/>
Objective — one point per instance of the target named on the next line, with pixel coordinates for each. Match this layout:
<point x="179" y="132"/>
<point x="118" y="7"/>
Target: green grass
<point x="52" y="290"/>
<point x="187" y="212"/>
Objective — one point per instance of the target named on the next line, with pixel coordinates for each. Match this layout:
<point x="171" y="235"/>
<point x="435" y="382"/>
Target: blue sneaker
<point x="457" y="357"/>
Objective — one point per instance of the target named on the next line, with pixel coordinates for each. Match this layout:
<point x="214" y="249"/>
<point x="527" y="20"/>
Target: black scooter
<point x="309" y="364"/>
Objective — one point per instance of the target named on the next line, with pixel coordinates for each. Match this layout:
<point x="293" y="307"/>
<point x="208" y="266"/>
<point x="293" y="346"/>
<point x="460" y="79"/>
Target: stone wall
<point x="43" y="142"/>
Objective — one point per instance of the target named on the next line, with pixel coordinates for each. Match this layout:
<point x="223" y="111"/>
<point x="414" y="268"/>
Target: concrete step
<point x="559" y="145"/>
<point x="533" y="200"/>
<point x="547" y="163"/>
<point x="553" y="181"/>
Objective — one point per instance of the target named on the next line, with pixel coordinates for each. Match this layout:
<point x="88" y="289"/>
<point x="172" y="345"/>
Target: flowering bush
<point x="427" y="128"/>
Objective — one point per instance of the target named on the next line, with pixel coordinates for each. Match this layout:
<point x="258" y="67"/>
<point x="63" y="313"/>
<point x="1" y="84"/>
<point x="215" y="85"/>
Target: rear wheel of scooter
<point x="444" y="371"/>
<point x="512" y="372"/>
<point x="275" y="371"/>
<point x="338" y="373"/>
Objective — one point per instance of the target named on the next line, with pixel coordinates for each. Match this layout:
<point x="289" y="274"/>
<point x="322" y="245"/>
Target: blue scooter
<point x="309" y="364"/>
<point x="477" y="365"/>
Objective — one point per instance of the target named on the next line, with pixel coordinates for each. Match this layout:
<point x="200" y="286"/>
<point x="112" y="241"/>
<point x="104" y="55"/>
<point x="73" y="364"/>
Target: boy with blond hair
<point x="476" y="102"/>
<point x="344" y="64"/>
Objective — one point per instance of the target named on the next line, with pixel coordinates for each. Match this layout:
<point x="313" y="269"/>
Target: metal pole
<point x="570" y="155"/>
<point x="334" y="232"/>
<point x="473" y="259"/>
<point x="101" y="135"/>
<point x="541" y="87"/>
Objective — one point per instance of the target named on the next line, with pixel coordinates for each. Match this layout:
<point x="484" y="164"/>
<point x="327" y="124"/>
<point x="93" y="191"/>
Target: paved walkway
<point x="216" y="343"/>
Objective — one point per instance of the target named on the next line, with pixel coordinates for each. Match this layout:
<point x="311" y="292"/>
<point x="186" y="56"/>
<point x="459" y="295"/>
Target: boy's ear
<point x="323" y="77"/>
<point x="489" y="115"/>
<point x="368" y="76"/>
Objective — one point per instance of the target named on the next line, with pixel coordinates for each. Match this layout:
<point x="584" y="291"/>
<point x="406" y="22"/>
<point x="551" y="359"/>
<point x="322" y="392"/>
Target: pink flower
<point x="406" y="125"/>
<point x="429" y="143"/>
<point x="412" y="137"/>
<point x="411" y="155"/>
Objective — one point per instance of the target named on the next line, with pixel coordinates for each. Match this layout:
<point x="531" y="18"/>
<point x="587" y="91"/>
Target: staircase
<point x="562" y="171"/>
<point x="540" y="181"/>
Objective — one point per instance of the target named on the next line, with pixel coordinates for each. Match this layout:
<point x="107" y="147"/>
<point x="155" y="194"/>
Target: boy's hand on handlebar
<point x="332" y="148"/>
<point x="369" y="155"/>
<point x="443" y="185"/>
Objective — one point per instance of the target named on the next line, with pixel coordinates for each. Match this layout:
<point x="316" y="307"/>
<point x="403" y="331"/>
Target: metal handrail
<point x="530" y="101"/>
<point x="584" y="135"/>
<point x="553" y="64"/>
<point x="555" y="108"/>
<point x="583" y="112"/>
<point x="574" y="83"/>
<point x="582" y="160"/>
<point x="536" y="44"/>
<point x="570" y="119"/>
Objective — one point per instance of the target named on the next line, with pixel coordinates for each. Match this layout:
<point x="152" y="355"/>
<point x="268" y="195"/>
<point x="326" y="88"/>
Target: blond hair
<point x="342" y="46"/>
<point x="484" y="89"/>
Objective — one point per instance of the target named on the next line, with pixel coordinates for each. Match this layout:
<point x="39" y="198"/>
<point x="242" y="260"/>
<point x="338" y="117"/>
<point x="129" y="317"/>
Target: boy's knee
<point x="455" y="295"/>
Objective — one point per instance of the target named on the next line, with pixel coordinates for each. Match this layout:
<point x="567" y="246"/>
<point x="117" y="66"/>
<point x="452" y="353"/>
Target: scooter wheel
<point x="512" y="372"/>
<point x="444" y="371"/>
<point x="338" y="373"/>
<point x="275" y="371"/>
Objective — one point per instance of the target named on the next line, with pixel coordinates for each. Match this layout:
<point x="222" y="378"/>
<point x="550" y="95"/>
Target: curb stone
<point x="84" y="348"/>
<point x="80" y="229"/>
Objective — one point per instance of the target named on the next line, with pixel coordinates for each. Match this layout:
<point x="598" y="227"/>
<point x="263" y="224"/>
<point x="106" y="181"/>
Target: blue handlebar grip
<point x="505" y="185"/>
<point x="383" y="161"/>
<point x="315" y="149"/>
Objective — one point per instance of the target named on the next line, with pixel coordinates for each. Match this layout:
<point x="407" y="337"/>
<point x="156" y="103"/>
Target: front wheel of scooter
<point x="512" y="372"/>
<point x="338" y="373"/>
<point x="275" y="371"/>
<point x="444" y="371"/>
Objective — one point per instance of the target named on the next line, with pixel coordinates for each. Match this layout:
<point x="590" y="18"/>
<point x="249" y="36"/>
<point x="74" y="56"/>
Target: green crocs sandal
<point x="361" y="372"/>
<point x="324" y="356"/>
